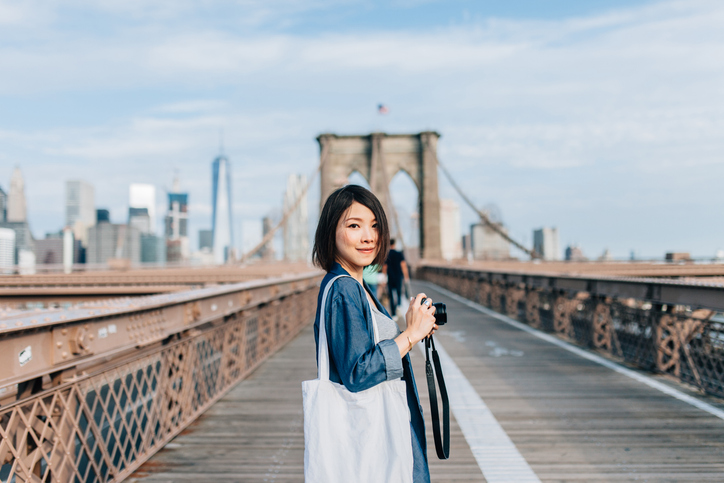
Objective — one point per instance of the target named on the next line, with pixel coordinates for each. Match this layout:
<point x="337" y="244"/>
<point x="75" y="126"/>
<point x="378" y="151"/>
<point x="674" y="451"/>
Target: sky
<point x="604" y="118"/>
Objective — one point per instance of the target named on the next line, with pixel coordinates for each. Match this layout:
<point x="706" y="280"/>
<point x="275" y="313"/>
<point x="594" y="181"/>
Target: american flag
<point x="382" y="109"/>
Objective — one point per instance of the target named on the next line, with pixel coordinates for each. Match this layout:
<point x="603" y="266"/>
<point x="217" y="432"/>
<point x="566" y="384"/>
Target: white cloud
<point x="559" y="110"/>
<point x="12" y="13"/>
<point x="191" y="107"/>
<point x="654" y="34"/>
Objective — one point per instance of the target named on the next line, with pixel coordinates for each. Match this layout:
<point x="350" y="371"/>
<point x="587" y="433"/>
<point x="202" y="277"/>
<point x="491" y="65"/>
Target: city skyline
<point x="356" y="179"/>
<point x="601" y="118"/>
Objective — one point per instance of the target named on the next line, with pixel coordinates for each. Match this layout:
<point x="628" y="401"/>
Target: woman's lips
<point x="366" y="250"/>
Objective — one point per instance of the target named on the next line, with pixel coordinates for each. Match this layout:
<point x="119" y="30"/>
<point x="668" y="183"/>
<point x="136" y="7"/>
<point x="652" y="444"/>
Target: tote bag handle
<point x="323" y="350"/>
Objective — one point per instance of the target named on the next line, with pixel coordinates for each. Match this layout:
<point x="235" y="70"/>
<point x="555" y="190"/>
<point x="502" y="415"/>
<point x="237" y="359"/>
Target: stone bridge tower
<point x="379" y="157"/>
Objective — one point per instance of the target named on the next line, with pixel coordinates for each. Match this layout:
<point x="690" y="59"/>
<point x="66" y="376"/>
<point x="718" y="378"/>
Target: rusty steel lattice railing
<point x="101" y="426"/>
<point x="661" y="326"/>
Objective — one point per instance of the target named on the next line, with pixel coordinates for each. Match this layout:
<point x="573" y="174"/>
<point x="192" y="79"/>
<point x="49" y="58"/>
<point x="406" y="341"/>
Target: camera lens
<point x="440" y="311"/>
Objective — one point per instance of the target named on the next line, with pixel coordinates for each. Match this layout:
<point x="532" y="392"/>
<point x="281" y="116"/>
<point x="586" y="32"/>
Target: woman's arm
<point x="405" y="272"/>
<point x="360" y="362"/>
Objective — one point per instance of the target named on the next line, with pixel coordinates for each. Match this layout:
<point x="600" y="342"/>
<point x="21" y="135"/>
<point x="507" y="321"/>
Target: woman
<point x="352" y="234"/>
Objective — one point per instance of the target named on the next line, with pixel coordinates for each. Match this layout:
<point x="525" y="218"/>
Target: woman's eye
<point x="354" y="225"/>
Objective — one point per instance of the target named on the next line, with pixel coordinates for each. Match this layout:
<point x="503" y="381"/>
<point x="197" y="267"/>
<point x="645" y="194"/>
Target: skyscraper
<point x="488" y="244"/>
<point x="450" y="241"/>
<point x="80" y="208"/>
<point x="575" y="254"/>
<point x="7" y="250"/>
<point x="3" y="206"/>
<point x="49" y="251"/>
<point x="17" y="220"/>
<point x="205" y="239"/>
<point x="110" y="241"/>
<point x="103" y="215"/>
<point x="177" y="219"/>
<point x="545" y="243"/>
<point x="153" y="249"/>
<point x="57" y="248"/>
<point x="17" y="210"/>
<point x="296" y="235"/>
<point x="221" y="221"/>
<point x="140" y="220"/>
<point x="144" y="196"/>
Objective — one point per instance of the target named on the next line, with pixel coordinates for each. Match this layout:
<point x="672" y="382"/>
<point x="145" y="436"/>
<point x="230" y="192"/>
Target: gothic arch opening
<point x="355" y="177"/>
<point x="406" y="202"/>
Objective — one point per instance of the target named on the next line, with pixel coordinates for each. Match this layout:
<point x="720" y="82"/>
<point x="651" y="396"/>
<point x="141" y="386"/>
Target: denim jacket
<point x="355" y="360"/>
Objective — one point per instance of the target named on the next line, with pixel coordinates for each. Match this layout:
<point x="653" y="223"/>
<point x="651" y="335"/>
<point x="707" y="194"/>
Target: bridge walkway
<point x="539" y="411"/>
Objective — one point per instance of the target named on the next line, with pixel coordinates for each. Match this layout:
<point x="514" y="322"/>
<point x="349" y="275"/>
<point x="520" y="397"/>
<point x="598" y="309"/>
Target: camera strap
<point x="442" y="444"/>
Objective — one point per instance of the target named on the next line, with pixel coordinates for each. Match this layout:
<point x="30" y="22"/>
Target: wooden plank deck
<point x="571" y="419"/>
<point x="255" y="432"/>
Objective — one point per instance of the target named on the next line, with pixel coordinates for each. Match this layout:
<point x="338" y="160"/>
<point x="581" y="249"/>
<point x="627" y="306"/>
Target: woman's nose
<point x="368" y="234"/>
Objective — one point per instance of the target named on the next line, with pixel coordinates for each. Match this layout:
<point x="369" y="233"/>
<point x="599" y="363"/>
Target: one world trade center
<point x="222" y="231"/>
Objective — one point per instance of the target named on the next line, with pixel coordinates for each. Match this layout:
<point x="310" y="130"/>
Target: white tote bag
<point x="361" y="437"/>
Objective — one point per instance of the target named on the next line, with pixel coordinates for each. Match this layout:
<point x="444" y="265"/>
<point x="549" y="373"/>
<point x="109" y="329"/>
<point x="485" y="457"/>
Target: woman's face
<point x="356" y="238"/>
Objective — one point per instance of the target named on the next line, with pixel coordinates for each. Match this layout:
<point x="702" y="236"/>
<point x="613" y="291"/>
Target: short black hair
<point x="324" y="253"/>
<point x="392" y="241"/>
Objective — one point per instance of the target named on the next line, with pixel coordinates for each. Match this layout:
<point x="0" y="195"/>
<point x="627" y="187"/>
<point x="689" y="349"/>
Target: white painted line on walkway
<point x="498" y="458"/>
<point x="588" y="355"/>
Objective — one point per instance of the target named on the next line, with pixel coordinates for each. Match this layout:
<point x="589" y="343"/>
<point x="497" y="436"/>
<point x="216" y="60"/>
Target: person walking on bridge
<point x="365" y="352"/>
<point x="396" y="270"/>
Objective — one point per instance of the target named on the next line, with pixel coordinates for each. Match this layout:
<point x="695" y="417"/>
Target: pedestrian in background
<point x="396" y="270"/>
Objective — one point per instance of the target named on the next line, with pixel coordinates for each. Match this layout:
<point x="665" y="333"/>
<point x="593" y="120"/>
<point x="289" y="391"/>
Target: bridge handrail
<point x="656" y="290"/>
<point x="665" y="326"/>
<point x="110" y="408"/>
<point x="41" y="342"/>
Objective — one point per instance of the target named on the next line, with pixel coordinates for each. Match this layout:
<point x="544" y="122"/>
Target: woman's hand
<point x="420" y="318"/>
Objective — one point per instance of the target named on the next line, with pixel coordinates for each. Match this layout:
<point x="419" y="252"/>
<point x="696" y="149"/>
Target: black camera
<point x="440" y="312"/>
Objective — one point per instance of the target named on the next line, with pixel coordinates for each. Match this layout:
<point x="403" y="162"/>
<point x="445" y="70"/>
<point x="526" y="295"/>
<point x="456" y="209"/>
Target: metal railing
<point x="661" y="326"/>
<point x="91" y="393"/>
<point x="63" y="290"/>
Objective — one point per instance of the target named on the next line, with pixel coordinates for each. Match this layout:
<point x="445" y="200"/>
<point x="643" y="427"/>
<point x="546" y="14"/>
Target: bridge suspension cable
<point x="496" y="227"/>
<point x="268" y="237"/>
